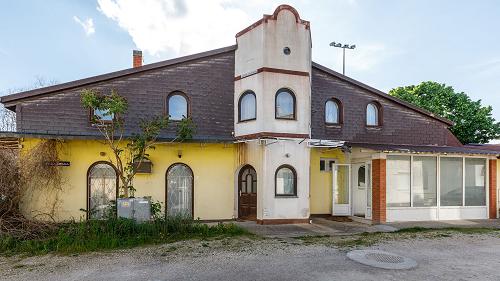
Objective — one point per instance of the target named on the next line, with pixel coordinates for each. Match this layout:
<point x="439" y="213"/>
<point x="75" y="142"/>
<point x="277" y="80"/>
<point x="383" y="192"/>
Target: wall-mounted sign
<point x="57" y="163"/>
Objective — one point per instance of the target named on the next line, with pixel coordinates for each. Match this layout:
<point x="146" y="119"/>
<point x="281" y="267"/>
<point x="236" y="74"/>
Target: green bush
<point x="93" y="235"/>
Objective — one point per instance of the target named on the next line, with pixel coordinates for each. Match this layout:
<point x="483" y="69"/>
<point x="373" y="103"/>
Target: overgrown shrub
<point x="22" y="175"/>
<point x="93" y="235"/>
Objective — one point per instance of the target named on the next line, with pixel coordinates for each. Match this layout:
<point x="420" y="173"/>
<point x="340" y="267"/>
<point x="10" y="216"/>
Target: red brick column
<point x="493" y="189"/>
<point x="378" y="191"/>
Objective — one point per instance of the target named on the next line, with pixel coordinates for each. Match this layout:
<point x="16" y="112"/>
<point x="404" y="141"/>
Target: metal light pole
<point x="343" y="46"/>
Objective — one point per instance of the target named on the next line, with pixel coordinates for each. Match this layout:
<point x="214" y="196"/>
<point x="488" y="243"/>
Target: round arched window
<point x="285" y="104"/>
<point x="180" y="190"/>
<point x="286" y="181"/>
<point x="102" y="184"/>
<point x="247" y="106"/>
<point x="332" y="112"/>
<point x="177" y="105"/>
<point x="372" y="114"/>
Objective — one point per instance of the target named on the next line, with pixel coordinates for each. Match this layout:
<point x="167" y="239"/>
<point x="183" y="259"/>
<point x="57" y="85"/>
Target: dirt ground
<point x="443" y="256"/>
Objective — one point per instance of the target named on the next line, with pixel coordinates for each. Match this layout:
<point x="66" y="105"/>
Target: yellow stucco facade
<point x="321" y="182"/>
<point x="213" y="167"/>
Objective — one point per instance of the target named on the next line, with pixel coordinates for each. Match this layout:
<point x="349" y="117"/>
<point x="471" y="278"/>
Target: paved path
<point x="322" y="226"/>
<point x="461" y="257"/>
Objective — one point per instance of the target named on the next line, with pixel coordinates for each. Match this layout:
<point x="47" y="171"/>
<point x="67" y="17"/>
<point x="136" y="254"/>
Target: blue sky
<point x="398" y="42"/>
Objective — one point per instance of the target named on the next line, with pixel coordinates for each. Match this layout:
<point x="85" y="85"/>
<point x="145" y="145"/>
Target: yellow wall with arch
<point x="213" y="166"/>
<point x="321" y="182"/>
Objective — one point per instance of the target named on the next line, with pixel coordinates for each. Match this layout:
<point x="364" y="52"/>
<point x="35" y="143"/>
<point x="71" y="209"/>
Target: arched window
<point x="333" y="112"/>
<point x="285" y="104"/>
<point x="286" y="181"/>
<point x="102" y="190"/>
<point x="373" y="114"/>
<point x="177" y="106"/>
<point x="179" y="193"/>
<point x="247" y="106"/>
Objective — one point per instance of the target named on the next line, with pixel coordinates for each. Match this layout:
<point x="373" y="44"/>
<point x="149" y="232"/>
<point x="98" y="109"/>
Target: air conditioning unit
<point x="138" y="209"/>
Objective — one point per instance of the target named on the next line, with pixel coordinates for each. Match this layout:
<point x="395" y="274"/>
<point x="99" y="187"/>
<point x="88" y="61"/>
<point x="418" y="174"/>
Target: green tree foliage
<point x="129" y="151"/>
<point x="473" y="122"/>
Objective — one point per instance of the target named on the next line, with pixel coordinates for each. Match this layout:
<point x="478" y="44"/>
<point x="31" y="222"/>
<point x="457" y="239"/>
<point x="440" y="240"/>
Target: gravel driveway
<point x="455" y="257"/>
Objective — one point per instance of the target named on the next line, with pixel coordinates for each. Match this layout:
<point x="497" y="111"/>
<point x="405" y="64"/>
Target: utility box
<point x="138" y="209"/>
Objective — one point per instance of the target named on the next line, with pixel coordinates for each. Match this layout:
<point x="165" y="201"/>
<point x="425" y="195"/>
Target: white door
<point x="341" y="179"/>
<point x="359" y="197"/>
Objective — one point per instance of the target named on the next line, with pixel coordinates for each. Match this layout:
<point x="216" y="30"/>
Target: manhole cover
<point x="381" y="259"/>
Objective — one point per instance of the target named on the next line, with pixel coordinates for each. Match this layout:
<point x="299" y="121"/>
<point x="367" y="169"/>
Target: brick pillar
<point x="493" y="189"/>
<point x="378" y="191"/>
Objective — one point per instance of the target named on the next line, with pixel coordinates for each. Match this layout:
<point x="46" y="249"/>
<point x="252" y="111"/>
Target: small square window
<point x="325" y="165"/>
<point x="103" y="115"/>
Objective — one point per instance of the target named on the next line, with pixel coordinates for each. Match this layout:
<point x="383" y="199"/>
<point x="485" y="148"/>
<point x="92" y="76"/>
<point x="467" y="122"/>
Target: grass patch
<point x="368" y="239"/>
<point x="87" y="236"/>
<point x="464" y="230"/>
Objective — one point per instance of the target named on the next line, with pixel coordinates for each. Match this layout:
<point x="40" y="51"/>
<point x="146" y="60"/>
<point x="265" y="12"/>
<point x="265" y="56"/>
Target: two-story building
<point x="279" y="138"/>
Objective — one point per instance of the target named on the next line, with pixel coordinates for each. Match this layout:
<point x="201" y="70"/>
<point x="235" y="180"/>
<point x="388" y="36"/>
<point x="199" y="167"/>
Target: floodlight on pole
<point x="343" y="46"/>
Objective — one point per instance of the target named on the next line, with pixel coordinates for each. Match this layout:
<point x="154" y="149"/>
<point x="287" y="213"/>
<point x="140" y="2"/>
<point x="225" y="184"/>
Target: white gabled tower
<point x="273" y="54"/>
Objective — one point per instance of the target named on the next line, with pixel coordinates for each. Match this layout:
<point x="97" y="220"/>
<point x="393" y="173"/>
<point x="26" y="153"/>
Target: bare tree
<point x="7" y="117"/>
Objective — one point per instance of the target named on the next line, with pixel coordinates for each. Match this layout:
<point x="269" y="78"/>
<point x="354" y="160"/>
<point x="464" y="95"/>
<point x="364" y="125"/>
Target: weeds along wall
<point x="213" y="167"/>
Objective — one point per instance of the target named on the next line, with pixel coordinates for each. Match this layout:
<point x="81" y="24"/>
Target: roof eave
<point x="10" y="100"/>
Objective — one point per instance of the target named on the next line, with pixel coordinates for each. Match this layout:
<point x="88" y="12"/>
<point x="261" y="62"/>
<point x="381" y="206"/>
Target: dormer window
<point x="103" y="115"/>
<point x="247" y="107"/>
<point x="177" y="106"/>
<point x="373" y="114"/>
<point x="333" y="112"/>
<point x="285" y="105"/>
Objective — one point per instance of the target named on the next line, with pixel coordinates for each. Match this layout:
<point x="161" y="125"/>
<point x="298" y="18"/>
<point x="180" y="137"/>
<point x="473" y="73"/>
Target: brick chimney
<point x="137" y="58"/>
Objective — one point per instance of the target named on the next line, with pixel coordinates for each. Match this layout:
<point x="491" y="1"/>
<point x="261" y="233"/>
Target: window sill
<point x="373" y="128"/>
<point x="247" y="120"/>
<point x="286" y="196"/>
<point x="333" y="126"/>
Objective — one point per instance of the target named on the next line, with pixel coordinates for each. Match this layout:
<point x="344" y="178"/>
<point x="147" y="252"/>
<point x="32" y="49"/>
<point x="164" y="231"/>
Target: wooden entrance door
<point x="247" y="190"/>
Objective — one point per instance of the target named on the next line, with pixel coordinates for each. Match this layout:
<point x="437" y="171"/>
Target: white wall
<point x="296" y="155"/>
<point x="263" y="47"/>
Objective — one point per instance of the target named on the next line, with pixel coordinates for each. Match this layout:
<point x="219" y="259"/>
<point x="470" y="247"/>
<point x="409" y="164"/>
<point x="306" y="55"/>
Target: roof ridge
<point x="380" y="93"/>
<point x="113" y="75"/>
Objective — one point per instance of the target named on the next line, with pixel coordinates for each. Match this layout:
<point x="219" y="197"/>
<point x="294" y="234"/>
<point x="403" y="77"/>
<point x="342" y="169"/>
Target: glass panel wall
<point x="424" y="189"/>
<point x="475" y="182"/>
<point x="412" y="181"/>
<point x="451" y="181"/>
<point x="398" y="181"/>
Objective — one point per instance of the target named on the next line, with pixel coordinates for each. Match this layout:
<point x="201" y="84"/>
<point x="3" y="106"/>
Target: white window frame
<point x="438" y="176"/>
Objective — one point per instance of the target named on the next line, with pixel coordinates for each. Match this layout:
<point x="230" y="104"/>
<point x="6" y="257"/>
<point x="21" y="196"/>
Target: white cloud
<point x="177" y="26"/>
<point x="87" y="25"/>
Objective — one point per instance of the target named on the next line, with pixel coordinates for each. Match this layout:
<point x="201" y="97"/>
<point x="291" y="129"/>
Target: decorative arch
<point x="179" y="189"/>
<point x="169" y="105"/>
<point x="289" y="8"/>
<point x="100" y="180"/>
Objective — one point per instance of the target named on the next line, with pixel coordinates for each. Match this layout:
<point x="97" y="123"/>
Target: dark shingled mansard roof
<point x="9" y="100"/>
